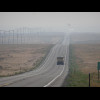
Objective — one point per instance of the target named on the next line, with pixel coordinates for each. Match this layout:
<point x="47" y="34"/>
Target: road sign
<point x="98" y="67"/>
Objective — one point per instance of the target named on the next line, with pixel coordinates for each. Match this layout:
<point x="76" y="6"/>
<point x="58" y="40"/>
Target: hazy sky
<point x="79" y="21"/>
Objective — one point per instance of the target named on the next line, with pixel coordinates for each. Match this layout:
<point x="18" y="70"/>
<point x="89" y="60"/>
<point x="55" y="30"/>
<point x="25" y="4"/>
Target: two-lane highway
<point x="48" y="74"/>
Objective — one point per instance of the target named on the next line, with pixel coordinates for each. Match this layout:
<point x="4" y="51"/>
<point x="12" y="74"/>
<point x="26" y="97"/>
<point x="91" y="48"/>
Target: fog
<point x="47" y="27"/>
<point x="52" y="21"/>
<point x="32" y="42"/>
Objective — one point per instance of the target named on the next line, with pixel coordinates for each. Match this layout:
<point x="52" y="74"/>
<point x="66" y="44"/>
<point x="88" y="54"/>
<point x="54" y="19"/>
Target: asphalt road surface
<point x="48" y="74"/>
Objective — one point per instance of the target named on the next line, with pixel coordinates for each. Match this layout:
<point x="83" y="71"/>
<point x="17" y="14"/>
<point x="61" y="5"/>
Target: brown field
<point x="87" y="56"/>
<point x="17" y="58"/>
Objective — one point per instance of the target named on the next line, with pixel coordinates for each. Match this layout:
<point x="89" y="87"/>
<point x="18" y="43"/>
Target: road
<point x="48" y="74"/>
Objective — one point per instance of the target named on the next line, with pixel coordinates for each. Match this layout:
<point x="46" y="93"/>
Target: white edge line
<point x="58" y="75"/>
<point x="31" y="75"/>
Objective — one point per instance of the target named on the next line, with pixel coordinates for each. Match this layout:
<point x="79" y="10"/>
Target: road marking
<point x="30" y="75"/>
<point x="5" y="84"/>
<point x="23" y="77"/>
<point x="47" y="59"/>
<point x="37" y="74"/>
<point x="55" y="78"/>
<point x="58" y="75"/>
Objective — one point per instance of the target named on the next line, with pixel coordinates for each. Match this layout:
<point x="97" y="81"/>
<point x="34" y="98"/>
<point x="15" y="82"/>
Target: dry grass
<point x="87" y="56"/>
<point x="16" y="58"/>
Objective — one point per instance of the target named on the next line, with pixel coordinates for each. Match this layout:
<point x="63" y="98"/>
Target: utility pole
<point x="13" y="36"/>
<point x="17" y="36"/>
<point x="21" y="38"/>
<point x="4" y="37"/>
<point x="24" y="34"/>
<point x="1" y="36"/>
<point x="8" y="36"/>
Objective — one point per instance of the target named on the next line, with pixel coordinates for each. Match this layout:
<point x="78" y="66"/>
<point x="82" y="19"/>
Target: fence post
<point x="89" y="79"/>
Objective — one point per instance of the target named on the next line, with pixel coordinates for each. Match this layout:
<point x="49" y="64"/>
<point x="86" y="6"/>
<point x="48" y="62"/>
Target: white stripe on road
<point x="58" y="75"/>
<point x="30" y="75"/>
<point x="55" y="78"/>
